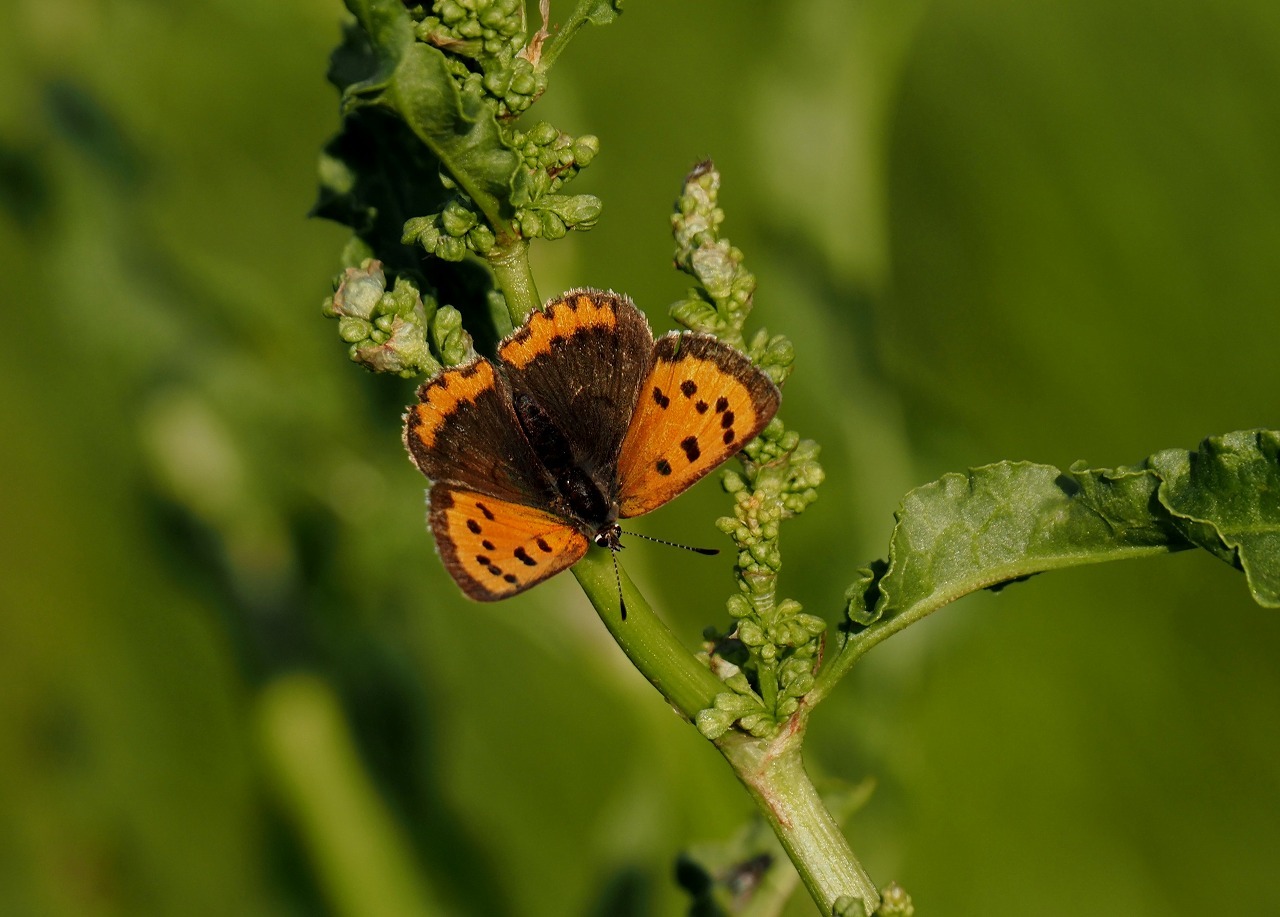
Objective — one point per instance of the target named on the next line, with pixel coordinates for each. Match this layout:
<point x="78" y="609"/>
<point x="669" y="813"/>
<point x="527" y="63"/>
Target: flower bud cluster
<point x="451" y="233"/>
<point x="720" y="303"/>
<point x="398" y="330"/>
<point x="550" y="159"/>
<point x="492" y="34"/>
<point x="773" y="647"/>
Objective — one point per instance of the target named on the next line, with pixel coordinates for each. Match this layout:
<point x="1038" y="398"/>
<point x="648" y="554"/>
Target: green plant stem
<point x="510" y="264"/>
<point x="646" y="640"/>
<point x="361" y="856"/>
<point x="773" y="772"/>
<point x="577" y="19"/>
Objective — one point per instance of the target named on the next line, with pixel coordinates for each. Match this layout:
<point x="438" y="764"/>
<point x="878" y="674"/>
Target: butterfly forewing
<point x="463" y="431"/>
<point x="701" y="402"/>
<point x="582" y="360"/>
<point x="494" y="548"/>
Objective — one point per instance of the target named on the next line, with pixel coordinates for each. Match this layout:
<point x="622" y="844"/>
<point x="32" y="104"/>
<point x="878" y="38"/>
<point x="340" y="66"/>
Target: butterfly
<point x="581" y="420"/>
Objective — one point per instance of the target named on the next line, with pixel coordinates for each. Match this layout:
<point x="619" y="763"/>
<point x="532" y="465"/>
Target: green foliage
<point x="1030" y="181"/>
<point x="1225" y="498"/>
<point x="768" y="657"/>
<point x="721" y="301"/>
<point x="1002" y="523"/>
<point x="1007" y="521"/>
<point x="440" y="166"/>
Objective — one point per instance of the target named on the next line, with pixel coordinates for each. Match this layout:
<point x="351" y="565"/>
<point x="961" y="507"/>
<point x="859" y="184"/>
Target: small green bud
<point x="352" y="329"/>
<point x="552" y="226"/>
<point x="481" y="239"/>
<point x="498" y="82"/>
<point x="712" y="723"/>
<point x="530" y="224"/>
<point x="585" y="149"/>
<point x="739" y="683"/>
<point x="760" y="725"/>
<point x="456" y="220"/>
<point x="542" y="134"/>
<point x="523" y="83"/>
<point x="848" y="906"/>
<point x="751" y="633"/>
<point x="449" y="337"/>
<point x="894" y="902"/>
<point x="450" y="249"/>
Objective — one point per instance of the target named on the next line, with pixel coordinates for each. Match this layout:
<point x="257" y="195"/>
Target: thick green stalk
<point x="646" y="640"/>
<point x="360" y="854"/>
<point x="773" y="772"/>
<point x="510" y="264"/>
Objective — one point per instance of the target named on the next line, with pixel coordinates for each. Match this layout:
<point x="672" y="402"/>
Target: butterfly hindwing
<point x="493" y="548"/>
<point x="463" y="431"/>
<point x="701" y="402"/>
<point x="582" y="361"/>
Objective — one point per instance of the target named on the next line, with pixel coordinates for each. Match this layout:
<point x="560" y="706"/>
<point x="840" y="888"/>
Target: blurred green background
<point x="234" y="678"/>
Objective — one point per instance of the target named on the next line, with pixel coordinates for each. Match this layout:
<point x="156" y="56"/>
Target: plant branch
<point x="510" y="264"/>
<point x="685" y="682"/>
<point x="599" y="12"/>
<point x="773" y="772"/>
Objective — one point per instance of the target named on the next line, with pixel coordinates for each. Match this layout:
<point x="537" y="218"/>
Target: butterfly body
<point x="582" y="420"/>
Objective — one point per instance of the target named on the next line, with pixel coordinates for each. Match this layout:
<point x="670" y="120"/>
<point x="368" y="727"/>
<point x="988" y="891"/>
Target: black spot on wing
<point x="663" y="466"/>
<point x="690" y="446"/>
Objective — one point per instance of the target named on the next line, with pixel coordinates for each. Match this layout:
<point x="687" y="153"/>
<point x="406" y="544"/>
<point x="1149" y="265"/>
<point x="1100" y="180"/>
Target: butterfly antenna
<point x="617" y="579"/>
<point x="675" y="544"/>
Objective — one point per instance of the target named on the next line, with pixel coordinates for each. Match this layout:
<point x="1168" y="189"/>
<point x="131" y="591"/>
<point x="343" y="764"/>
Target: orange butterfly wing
<point x="701" y="403"/>
<point x="494" y="548"/>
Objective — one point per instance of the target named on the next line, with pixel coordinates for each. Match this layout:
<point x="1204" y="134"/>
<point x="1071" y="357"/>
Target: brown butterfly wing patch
<point x="582" y="360"/>
<point x="463" y="431"/>
<point x="700" y="404"/>
<point x="494" y="548"/>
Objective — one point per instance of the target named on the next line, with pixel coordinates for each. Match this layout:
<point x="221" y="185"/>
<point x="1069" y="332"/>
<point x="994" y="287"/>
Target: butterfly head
<point x="609" y="536"/>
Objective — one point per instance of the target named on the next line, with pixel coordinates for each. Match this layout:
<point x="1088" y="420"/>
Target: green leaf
<point x="458" y="126"/>
<point x="1005" y="522"/>
<point x="997" y="523"/>
<point x="374" y="176"/>
<point x="1228" y="495"/>
<point x="389" y="32"/>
